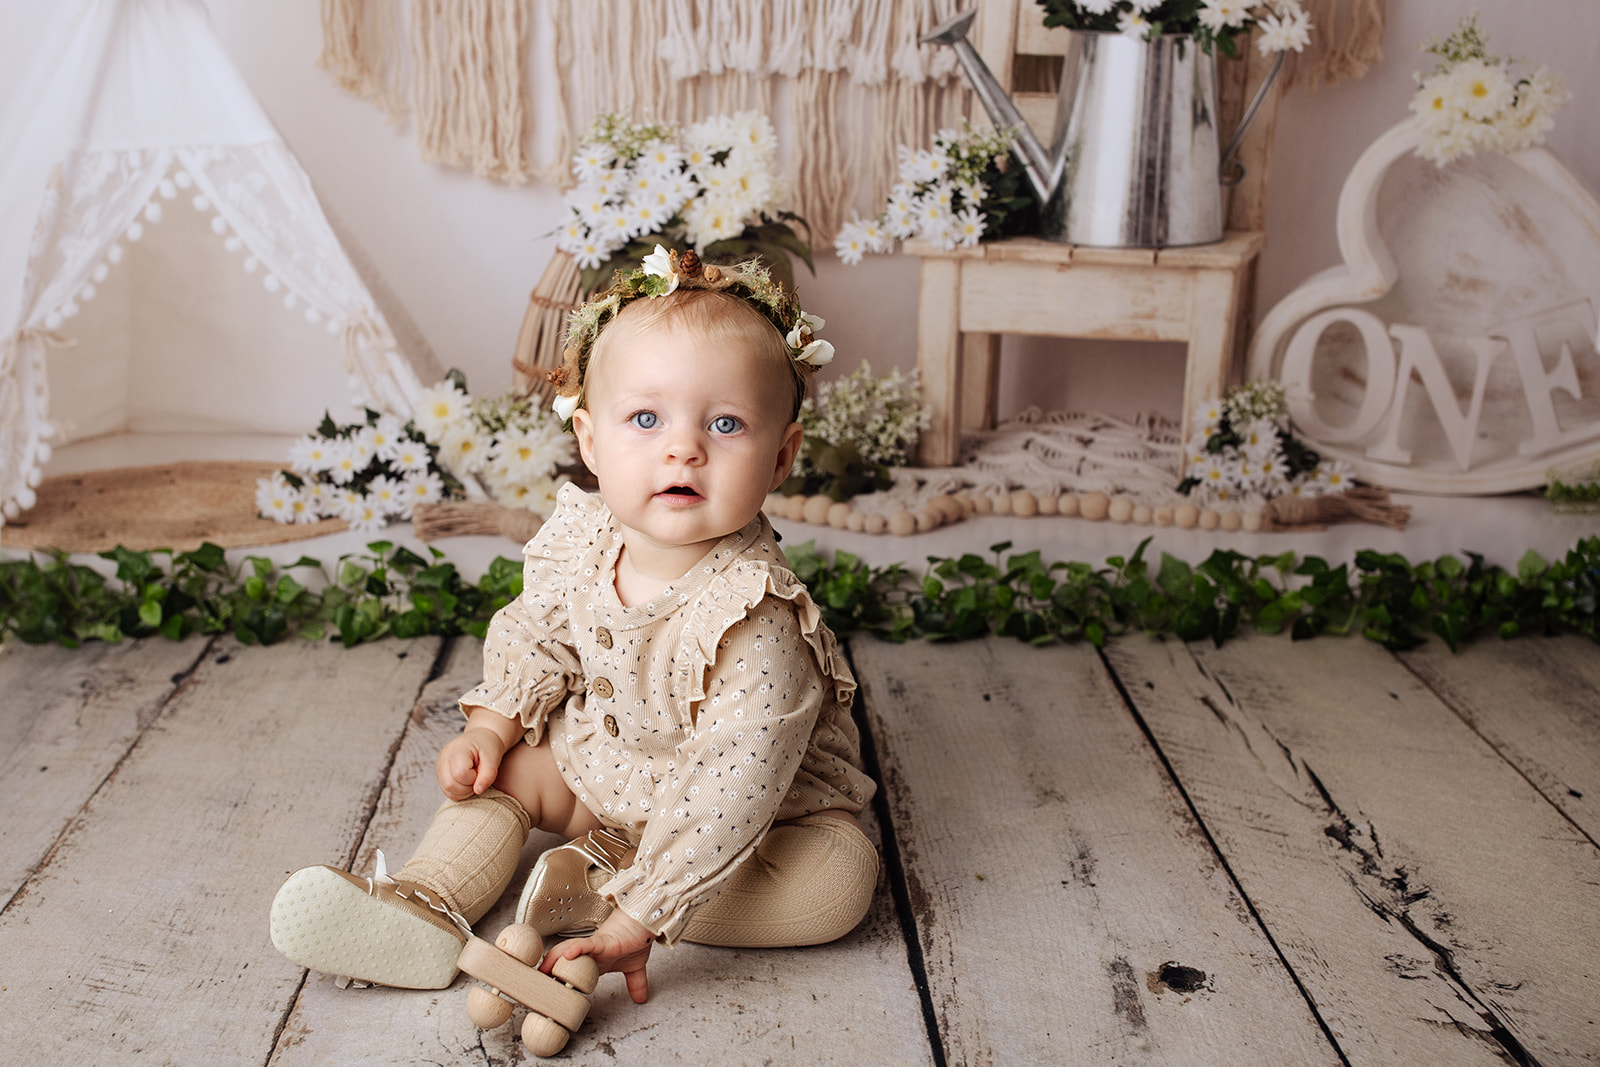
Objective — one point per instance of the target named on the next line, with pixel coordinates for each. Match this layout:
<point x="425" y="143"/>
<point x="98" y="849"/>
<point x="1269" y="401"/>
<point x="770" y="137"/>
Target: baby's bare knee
<point x="529" y="773"/>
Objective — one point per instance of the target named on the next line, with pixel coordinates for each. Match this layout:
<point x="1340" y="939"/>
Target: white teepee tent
<point x="165" y="266"/>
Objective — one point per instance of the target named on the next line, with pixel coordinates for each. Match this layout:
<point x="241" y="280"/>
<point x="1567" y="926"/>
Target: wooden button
<point x="601" y="687"/>
<point x="603" y="636"/>
<point x="611" y="725"/>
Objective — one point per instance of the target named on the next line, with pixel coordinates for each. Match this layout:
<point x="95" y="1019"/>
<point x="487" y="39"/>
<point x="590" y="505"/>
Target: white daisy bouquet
<point x="964" y="189"/>
<point x="855" y="429"/>
<point x="1472" y="100"/>
<point x="365" y="473"/>
<point x="1242" y="450"/>
<point x="1216" y="24"/>
<point x="712" y="187"/>
<point x="372" y="473"/>
<point x="511" y="446"/>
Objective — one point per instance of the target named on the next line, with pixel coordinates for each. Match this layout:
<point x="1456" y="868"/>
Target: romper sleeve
<point x="529" y="663"/>
<point x="755" y="670"/>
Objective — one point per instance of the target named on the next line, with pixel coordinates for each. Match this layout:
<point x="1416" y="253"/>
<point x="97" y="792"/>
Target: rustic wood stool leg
<point x="939" y="358"/>
<point x="980" y="380"/>
<point x="1209" y="365"/>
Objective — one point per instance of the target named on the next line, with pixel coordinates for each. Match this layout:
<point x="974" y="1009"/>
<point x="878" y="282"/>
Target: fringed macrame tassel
<point x="360" y="48"/>
<point x="1359" y="504"/>
<point x="474" y="518"/>
<point x="1346" y="39"/>
<point x="469" y="97"/>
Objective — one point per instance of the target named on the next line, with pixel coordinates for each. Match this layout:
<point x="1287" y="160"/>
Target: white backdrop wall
<point x="462" y="253"/>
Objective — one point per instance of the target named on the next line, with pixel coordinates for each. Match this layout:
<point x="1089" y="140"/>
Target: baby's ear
<point x="583" y="430"/>
<point x="788" y="449"/>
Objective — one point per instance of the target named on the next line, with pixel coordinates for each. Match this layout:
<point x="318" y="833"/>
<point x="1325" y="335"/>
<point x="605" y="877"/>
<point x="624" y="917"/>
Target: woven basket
<point x="544" y="327"/>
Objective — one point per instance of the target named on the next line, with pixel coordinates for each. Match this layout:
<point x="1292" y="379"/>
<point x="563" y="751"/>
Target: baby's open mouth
<point x="680" y="490"/>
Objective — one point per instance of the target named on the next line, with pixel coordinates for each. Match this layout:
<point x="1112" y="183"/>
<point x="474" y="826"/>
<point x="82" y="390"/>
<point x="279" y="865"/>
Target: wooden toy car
<point x="557" y="1003"/>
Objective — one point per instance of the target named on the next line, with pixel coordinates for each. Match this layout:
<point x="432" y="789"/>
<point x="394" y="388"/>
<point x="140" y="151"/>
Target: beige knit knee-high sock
<point x="810" y="882"/>
<point x="469" y="853"/>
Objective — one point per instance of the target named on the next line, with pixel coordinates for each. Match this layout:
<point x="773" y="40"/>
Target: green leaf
<point x="1531" y="566"/>
<point x="150" y="613"/>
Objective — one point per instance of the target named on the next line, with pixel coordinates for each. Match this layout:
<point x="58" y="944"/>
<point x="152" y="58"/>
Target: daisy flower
<point x="850" y="245"/>
<point x="410" y="455"/>
<point x="1289" y="32"/>
<point x="424" y="487"/>
<point x="1334" y="475"/>
<point x="1133" y="24"/>
<point x="346" y="463"/>
<point x="386" y="437"/>
<point x="593" y="159"/>
<point x="440" y="408"/>
<point x="275" y="499"/>
<point x="464" y="449"/>
<point x="383" y="492"/>
<point x="969" y="225"/>
<point x="310" y="454"/>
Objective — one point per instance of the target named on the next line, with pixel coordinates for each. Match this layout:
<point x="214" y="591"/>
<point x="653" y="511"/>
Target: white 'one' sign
<point x="1455" y="351"/>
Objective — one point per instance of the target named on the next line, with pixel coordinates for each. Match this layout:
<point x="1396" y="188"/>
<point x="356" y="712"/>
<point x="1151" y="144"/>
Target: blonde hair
<point x="719" y="317"/>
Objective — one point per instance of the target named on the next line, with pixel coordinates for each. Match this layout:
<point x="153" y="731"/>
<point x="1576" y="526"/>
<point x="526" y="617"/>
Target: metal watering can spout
<point x="1043" y="169"/>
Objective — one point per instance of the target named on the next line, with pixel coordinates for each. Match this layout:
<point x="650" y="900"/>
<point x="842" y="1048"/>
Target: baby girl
<point x="663" y="692"/>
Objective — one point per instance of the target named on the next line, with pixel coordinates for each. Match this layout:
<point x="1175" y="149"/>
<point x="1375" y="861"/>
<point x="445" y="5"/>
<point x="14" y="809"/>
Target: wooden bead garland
<point x="946" y="508"/>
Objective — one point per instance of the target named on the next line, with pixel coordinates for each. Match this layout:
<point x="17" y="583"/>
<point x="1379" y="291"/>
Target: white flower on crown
<point x="564" y="406"/>
<point x="803" y="340"/>
<point x="658" y="264"/>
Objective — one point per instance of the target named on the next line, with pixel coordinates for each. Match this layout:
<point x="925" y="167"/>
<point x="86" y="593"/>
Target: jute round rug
<point x="178" y="506"/>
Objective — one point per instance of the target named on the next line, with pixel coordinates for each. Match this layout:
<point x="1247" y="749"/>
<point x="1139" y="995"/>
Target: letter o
<point x="1296" y="374"/>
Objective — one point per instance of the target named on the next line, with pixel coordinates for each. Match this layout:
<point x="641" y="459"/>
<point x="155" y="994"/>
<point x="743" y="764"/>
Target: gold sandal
<point x="561" y="896"/>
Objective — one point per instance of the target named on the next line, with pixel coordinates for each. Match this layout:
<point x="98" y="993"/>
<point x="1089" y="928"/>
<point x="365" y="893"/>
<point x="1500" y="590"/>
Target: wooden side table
<point x="1023" y="285"/>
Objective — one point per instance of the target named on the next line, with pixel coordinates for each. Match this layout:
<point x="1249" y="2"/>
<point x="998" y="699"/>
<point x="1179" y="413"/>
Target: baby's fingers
<point x="638" y="986"/>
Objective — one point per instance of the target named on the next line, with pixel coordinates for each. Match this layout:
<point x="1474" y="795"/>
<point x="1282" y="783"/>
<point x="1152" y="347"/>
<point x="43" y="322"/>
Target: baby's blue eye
<point x="726" y="424"/>
<point x="644" y="420"/>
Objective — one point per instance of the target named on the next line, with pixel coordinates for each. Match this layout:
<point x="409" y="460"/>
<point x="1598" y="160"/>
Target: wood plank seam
<point x="895" y="870"/>
<point x="1500" y="751"/>
<point x="1221" y="857"/>
<point x="381" y="782"/>
<point x="370" y="806"/>
<point x="179" y="680"/>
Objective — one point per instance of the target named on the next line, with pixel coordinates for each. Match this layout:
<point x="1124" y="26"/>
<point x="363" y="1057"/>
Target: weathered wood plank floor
<point x="1268" y="853"/>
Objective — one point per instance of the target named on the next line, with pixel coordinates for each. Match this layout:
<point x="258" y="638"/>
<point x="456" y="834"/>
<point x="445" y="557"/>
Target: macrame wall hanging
<point x="464" y="62"/>
<point x="1346" y="39"/>
<point x="847" y="78"/>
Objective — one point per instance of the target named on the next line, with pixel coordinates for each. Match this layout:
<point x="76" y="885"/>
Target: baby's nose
<point x="686" y="446"/>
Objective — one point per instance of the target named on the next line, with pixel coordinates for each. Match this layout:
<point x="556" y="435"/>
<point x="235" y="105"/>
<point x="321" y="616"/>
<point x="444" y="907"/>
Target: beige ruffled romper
<point x="711" y="725"/>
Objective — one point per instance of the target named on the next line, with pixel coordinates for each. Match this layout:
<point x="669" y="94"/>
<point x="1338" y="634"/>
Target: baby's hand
<point x="620" y="944"/>
<point x="469" y="762"/>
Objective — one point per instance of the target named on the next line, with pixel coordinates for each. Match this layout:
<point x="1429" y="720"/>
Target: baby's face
<point x="686" y="435"/>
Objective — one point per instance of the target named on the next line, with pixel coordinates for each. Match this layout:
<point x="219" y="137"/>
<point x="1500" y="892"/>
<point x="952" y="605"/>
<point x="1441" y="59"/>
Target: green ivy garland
<point x="391" y="590"/>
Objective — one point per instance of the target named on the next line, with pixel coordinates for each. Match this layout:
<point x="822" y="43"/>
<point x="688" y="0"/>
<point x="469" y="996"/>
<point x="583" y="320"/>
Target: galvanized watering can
<point x="1133" y="161"/>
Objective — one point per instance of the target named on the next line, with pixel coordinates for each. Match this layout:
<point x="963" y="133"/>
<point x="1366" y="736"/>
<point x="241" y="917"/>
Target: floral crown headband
<point x="664" y="272"/>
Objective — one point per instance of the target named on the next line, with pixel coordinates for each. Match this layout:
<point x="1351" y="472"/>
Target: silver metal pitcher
<point x="1133" y="161"/>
